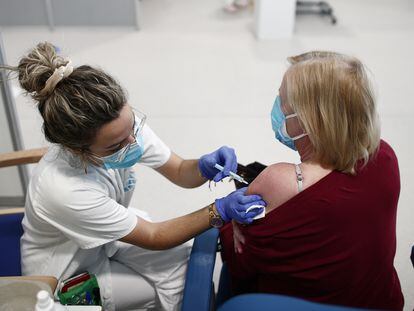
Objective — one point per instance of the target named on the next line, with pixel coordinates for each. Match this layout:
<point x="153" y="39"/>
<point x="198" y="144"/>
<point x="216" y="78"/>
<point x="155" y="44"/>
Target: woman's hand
<point x="238" y="238"/>
<point x="234" y="206"/>
<point x="224" y="156"/>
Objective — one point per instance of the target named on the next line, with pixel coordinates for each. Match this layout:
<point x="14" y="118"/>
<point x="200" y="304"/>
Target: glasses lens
<point x="140" y="119"/>
<point x="122" y="153"/>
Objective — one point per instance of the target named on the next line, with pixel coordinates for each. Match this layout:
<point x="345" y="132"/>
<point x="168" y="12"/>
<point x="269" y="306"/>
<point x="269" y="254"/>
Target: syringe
<point x="232" y="175"/>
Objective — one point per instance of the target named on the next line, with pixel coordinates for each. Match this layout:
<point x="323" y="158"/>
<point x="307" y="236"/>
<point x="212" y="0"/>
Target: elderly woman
<point x="329" y="231"/>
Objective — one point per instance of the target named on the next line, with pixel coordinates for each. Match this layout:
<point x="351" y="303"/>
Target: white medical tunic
<point x="73" y="219"/>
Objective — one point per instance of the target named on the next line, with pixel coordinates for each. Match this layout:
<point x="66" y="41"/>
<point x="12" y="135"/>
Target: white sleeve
<point x="85" y="214"/>
<point x="156" y="153"/>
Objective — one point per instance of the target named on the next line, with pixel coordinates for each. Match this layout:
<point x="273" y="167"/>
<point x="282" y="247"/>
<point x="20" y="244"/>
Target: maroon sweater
<point x="333" y="243"/>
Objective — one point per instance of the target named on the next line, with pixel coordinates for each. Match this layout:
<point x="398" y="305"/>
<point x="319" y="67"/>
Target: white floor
<point x="204" y="81"/>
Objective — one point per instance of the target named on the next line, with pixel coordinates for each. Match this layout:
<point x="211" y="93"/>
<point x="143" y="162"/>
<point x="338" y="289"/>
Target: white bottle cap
<point x="44" y="301"/>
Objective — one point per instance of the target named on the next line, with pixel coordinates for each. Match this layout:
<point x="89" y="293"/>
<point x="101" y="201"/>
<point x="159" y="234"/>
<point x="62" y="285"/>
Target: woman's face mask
<point x="279" y="125"/>
<point x="131" y="153"/>
<point x="124" y="158"/>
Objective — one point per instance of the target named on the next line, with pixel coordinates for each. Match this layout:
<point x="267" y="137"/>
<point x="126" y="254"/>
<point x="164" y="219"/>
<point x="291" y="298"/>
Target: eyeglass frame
<point x="140" y="126"/>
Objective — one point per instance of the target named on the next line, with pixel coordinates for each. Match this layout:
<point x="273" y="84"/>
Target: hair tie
<point x="56" y="77"/>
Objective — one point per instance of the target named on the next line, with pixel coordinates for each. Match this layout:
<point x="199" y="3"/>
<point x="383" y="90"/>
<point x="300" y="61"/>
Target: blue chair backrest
<point x="11" y="231"/>
<point x="268" y="302"/>
<point x="199" y="286"/>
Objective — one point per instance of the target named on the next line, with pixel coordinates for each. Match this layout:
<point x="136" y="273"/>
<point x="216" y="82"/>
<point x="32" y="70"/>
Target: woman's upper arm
<point x="85" y="213"/>
<point x="276" y="184"/>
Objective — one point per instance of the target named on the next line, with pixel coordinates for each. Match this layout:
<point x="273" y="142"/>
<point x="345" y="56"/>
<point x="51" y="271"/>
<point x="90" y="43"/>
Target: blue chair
<point x="10" y="232"/>
<point x="199" y="287"/>
<point x="268" y="302"/>
<point x="11" y="219"/>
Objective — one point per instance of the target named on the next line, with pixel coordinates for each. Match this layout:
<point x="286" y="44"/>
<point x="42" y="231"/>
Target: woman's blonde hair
<point x="335" y="104"/>
<point x="75" y="108"/>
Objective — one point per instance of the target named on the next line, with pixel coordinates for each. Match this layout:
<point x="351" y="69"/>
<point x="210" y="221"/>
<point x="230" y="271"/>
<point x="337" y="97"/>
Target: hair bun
<point x="37" y="66"/>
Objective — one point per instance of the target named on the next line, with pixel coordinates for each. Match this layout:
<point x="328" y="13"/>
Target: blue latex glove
<point x="235" y="204"/>
<point x="225" y="156"/>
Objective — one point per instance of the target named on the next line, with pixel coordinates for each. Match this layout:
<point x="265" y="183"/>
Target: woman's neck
<point x="305" y="149"/>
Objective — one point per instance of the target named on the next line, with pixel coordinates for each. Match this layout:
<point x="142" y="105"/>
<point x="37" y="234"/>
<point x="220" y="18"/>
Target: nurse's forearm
<point x="182" y="172"/>
<point x="170" y="233"/>
<point x="190" y="174"/>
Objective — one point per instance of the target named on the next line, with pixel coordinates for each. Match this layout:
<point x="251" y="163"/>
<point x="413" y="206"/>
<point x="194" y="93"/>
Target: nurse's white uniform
<point x="73" y="221"/>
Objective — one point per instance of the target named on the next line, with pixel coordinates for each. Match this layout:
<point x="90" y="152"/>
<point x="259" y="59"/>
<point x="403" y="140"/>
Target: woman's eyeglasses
<point x="139" y="122"/>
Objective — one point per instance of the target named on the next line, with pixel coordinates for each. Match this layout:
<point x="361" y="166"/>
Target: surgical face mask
<point x="131" y="153"/>
<point x="130" y="156"/>
<point x="279" y="125"/>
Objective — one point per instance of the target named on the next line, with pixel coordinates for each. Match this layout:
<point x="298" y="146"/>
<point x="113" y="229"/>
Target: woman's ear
<point x="86" y="157"/>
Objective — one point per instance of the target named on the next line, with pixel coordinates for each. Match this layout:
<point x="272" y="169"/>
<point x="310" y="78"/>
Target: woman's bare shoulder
<point x="276" y="184"/>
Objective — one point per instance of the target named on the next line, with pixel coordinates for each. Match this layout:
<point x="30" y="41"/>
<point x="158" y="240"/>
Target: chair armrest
<point x="12" y="211"/>
<point x="21" y="157"/>
<point x="198" y="289"/>
<point x="49" y="280"/>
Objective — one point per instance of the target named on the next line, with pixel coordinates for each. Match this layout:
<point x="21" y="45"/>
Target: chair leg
<point x="312" y="7"/>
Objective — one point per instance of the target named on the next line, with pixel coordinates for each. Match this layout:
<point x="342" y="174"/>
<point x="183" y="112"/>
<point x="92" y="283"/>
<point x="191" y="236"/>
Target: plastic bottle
<point x="46" y="303"/>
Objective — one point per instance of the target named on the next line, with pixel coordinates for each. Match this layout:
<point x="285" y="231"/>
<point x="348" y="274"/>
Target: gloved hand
<point x="235" y="204"/>
<point x="225" y="157"/>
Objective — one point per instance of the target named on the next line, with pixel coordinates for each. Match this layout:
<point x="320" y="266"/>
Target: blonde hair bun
<point x="74" y="103"/>
<point x="37" y="67"/>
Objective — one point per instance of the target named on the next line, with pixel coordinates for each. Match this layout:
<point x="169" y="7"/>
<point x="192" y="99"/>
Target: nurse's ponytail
<point x="74" y="102"/>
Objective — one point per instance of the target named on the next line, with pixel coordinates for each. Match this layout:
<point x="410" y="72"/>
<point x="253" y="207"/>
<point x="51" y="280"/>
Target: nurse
<point x="77" y="217"/>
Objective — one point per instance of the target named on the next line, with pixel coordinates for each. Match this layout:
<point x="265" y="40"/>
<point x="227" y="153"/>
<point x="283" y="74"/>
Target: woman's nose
<point x="131" y="139"/>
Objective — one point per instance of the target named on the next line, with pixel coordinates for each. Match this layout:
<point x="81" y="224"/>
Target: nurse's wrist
<point x="215" y="219"/>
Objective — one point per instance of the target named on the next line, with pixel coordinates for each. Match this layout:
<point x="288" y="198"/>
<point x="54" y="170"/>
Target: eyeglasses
<point x="139" y="122"/>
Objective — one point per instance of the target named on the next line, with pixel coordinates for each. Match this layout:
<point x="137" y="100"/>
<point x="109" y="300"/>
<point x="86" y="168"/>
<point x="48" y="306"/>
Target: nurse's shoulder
<point x="60" y="180"/>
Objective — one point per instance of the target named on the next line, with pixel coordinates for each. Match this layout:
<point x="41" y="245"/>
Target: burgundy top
<point x="333" y="243"/>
